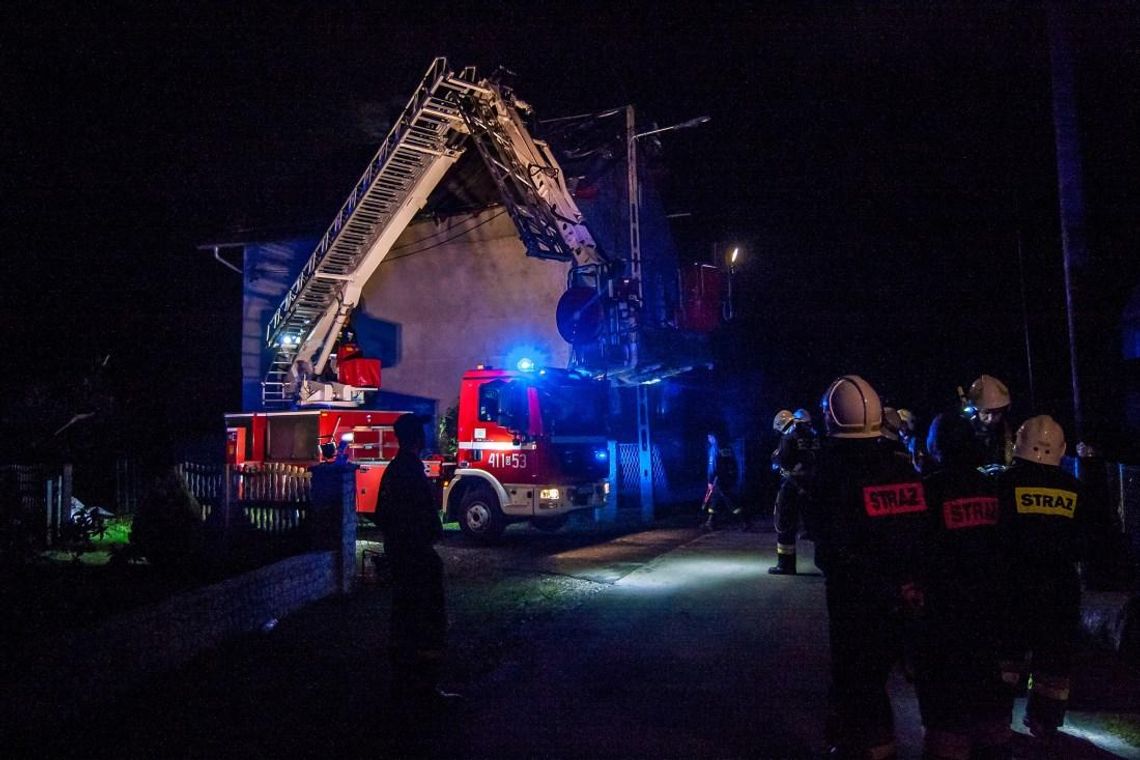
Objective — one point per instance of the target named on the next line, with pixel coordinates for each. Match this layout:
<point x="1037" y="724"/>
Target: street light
<point x="683" y="125"/>
<point x="729" y="306"/>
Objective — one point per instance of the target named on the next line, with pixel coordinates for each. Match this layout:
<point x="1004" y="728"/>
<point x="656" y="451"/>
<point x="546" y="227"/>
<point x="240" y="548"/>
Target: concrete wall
<point x="462" y="291"/>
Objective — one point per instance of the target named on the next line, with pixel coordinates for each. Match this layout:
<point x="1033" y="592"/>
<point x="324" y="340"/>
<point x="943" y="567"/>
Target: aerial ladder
<point x="448" y="112"/>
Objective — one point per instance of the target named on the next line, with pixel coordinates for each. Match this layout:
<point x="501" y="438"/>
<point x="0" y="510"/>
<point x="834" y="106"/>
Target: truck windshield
<point x="573" y="409"/>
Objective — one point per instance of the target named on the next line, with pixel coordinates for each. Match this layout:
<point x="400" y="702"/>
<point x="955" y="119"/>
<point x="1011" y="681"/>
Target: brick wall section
<point x="76" y="670"/>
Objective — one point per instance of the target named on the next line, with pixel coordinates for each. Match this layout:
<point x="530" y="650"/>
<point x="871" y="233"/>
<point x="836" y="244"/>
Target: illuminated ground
<point x="656" y="644"/>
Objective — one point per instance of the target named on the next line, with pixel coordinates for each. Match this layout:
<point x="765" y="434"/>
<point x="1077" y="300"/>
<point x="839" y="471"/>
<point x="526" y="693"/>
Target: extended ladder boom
<point x="422" y="145"/>
<point x="427" y="139"/>
<point x="530" y="181"/>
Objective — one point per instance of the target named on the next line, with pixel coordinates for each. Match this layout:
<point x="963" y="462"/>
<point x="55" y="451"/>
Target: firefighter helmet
<point x="892" y="423"/>
<point x="1040" y="439"/>
<point x="784" y="420"/>
<point x="989" y="393"/>
<point x="803" y="416"/>
<point x="851" y="408"/>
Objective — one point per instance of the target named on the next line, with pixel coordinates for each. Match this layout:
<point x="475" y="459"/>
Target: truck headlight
<point x="548" y="494"/>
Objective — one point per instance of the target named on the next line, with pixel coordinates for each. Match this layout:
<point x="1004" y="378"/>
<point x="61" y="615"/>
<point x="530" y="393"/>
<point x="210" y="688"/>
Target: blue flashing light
<point x="601" y="455"/>
<point x="526" y="357"/>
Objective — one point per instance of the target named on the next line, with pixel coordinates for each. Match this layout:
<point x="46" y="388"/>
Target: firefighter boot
<point x="785" y="563"/>
<point x="710" y="521"/>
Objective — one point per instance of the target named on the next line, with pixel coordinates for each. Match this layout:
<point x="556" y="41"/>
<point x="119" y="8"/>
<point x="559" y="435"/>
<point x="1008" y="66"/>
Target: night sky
<point x="877" y="163"/>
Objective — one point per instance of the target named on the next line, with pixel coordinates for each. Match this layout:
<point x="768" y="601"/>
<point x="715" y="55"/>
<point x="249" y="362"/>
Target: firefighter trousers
<point x="1044" y="625"/>
<point x="961" y="695"/>
<point x="786" y="515"/>
<point x="866" y="636"/>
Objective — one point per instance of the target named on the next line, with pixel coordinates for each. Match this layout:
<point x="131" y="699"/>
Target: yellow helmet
<point x="989" y="393"/>
<point x="783" y="421"/>
<point x="1040" y="439"/>
<point x="851" y="408"/>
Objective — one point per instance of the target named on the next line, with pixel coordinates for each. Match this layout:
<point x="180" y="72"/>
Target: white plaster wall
<point x="464" y="292"/>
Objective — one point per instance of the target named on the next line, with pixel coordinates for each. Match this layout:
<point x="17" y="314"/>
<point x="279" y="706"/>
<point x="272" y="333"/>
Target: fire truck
<point x="531" y="445"/>
<point x="532" y="441"/>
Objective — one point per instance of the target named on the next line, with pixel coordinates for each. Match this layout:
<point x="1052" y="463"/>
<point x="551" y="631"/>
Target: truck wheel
<point x="549" y="524"/>
<point x="480" y="516"/>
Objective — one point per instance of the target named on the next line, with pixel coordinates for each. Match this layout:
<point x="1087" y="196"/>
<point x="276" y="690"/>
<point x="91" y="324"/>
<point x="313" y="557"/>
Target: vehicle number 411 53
<point x="500" y="459"/>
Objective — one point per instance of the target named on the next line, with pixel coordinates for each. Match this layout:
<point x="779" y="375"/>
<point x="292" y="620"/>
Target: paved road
<point x="698" y="653"/>
<point x="666" y="643"/>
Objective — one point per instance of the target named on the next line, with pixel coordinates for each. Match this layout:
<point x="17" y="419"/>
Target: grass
<point x="57" y="590"/>
<point x="116" y="537"/>
<point x="1125" y="727"/>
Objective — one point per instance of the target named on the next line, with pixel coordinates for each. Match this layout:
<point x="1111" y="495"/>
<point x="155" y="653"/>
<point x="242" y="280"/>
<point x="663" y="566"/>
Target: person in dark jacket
<point x="1054" y="524"/>
<point x="988" y="409"/>
<point x="868" y="519"/>
<point x="722" y="474"/>
<point x="408" y="517"/>
<point x="794" y="457"/>
<point x="961" y="696"/>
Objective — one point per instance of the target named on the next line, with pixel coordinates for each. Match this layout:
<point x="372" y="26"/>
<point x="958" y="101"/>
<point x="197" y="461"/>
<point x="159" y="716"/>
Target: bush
<point x="78" y="534"/>
<point x="167" y="528"/>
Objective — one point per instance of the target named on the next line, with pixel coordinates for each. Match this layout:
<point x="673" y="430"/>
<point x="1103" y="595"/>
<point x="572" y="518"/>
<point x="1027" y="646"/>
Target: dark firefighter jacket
<point x="797" y="453"/>
<point x="966" y="559"/>
<point x="406" y="509"/>
<point x="995" y="445"/>
<point x="1055" y="524"/>
<point x="869" y="517"/>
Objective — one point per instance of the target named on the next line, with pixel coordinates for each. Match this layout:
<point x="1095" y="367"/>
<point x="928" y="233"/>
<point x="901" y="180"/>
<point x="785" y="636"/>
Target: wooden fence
<point x="272" y="498"/>
<point x="37" y="499"/>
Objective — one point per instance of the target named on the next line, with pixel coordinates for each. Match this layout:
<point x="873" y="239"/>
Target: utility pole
<point x="633" y="187"/>
<point x="644" y="440"/>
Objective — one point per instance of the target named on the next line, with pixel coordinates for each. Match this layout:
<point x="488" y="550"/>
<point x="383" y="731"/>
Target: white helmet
<point x="1040" y="439"/>
<point x="892" y="423"/>
<point x="803" y="416"/>
<point x="851" y="408"/>
<point x="783" y="421"/>
<point x="988" y="393"/>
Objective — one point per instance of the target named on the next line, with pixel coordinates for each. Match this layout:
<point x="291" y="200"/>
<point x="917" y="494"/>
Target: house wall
<point x="269" y="270"/>
<point x="455" y="293"/>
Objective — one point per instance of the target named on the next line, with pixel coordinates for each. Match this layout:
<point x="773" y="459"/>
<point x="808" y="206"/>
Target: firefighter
<point x="988" y="403"/>
<point x="722" y="472"/>
<point x="909" y="435"/>
<point x="408" y="517"/>
<point x="795" y="459"/>
<point x="961" y="696"/>
<point x="867" y="518"/>
<point x="1053" y="524"/>
<point x="892" y="433"/>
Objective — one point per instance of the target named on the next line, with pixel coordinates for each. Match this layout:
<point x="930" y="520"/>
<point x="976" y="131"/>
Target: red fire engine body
<point x="531" y="445"/>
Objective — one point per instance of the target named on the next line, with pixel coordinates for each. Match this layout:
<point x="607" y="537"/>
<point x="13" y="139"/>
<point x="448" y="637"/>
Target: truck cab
<point x="532" y="445"/>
